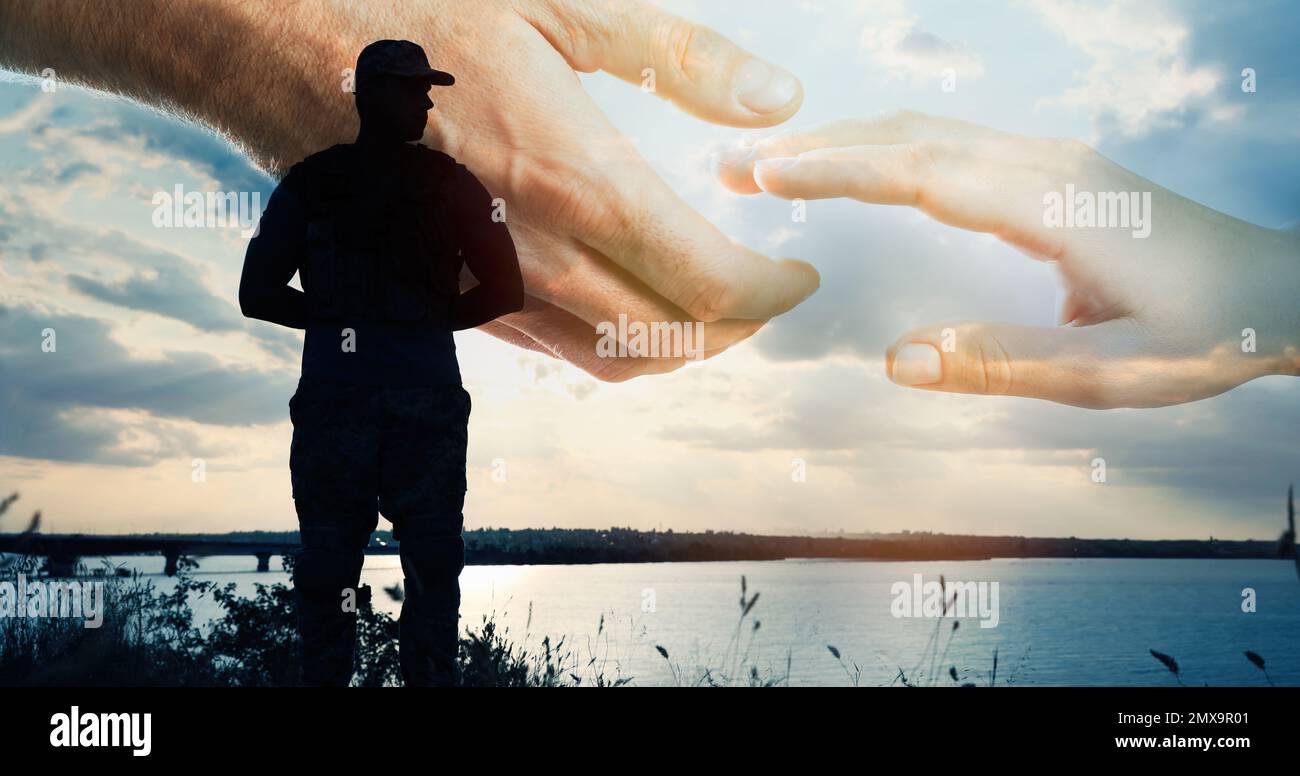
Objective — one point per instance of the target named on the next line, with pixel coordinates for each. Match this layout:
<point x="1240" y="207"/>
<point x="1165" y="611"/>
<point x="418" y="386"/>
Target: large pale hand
<point x="1153" y="320"/>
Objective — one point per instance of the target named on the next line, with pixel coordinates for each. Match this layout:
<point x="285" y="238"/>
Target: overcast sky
<point x="155" y="367"/>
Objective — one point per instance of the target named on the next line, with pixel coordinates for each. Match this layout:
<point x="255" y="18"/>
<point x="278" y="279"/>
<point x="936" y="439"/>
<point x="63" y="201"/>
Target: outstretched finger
<point x="937" y="177"/>
<point x="699" y="70"/>
<point x="734" y="167"/>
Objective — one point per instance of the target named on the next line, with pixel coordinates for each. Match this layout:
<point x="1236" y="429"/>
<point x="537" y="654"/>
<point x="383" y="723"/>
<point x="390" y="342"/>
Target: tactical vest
<point x="380" y="243"/>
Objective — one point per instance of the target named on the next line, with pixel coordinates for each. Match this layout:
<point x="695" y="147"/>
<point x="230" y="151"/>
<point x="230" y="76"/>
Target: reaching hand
<point x="598" y="233"/>
<point x="1176" y="303"/>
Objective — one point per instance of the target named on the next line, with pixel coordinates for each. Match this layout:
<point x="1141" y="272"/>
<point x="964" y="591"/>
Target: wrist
<point x="1289" y="362"/>
<point x="283" y="94"/>
<point x="1279" y="300"/>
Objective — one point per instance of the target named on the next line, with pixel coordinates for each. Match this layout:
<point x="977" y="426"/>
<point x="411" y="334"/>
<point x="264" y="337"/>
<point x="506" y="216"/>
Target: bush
<point x="149" y="638"/>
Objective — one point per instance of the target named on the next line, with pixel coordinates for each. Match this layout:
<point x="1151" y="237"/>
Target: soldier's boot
<point x="329" y="631"/>
<point x="430" y="621"/>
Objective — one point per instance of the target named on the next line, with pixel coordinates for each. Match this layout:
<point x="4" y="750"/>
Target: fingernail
<point x="775" y="165"/>
<point x="917" y="364"/>
<point x="763" y="88"/>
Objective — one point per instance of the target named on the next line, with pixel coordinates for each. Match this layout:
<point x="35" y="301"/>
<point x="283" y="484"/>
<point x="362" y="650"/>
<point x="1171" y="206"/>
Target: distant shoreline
<point x="492" y="547"/>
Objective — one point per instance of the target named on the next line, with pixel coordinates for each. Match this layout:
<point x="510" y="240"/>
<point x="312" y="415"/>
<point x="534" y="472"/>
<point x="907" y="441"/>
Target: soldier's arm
<point x="489" y="252"/>
<point x="273" y="256"/>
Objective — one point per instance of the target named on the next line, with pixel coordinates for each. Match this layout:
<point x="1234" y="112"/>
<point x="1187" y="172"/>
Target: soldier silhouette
<point x="377" y="231"/>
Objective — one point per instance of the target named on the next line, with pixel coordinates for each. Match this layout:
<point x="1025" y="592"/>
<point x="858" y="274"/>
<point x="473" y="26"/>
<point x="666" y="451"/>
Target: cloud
<point x="76" y="170"/>
<point x="1236" y="451"/>
<point x="822" y="408"/>
<point x="897" y="46"/>
<point x="1243" y="144"/>
<point x="34" y="110"/>
<point x="208" y="152"/>
<point x="178" y="291"/>
<point x="49" y="400"/>
<point x="169" y="284"/>
<point x="174" y="290"/>
<point x="1140" y="75"/>
<point x="886" y="271"/>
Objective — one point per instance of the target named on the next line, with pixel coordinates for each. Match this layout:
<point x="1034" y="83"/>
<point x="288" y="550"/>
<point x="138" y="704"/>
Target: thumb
<point x="1069" y="365"/>
<point x="701" y="71"/>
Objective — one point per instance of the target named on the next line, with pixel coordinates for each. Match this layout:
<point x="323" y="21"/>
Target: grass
<point x="1286" y="548"/>
<point x="928" y="671"/>
<point x="150" y="638"/>
<point x="734" y="668"/>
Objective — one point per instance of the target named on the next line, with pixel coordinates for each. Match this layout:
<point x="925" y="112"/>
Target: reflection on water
<point x="1060" y="621"/>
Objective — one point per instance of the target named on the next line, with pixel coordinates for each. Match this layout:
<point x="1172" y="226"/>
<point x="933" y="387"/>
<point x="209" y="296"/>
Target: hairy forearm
<point x="245" y="68"/>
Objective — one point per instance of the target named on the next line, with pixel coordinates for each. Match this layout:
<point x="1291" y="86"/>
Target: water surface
<point x="1061" y="622"/>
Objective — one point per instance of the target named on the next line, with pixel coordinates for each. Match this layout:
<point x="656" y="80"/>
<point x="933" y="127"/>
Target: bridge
<point x="62" y="552"/>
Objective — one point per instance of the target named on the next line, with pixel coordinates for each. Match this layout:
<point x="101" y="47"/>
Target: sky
<point x="155" y="368"/>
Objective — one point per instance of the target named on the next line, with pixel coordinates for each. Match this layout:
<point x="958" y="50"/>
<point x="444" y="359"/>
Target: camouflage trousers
<point x="362" y="450"/>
